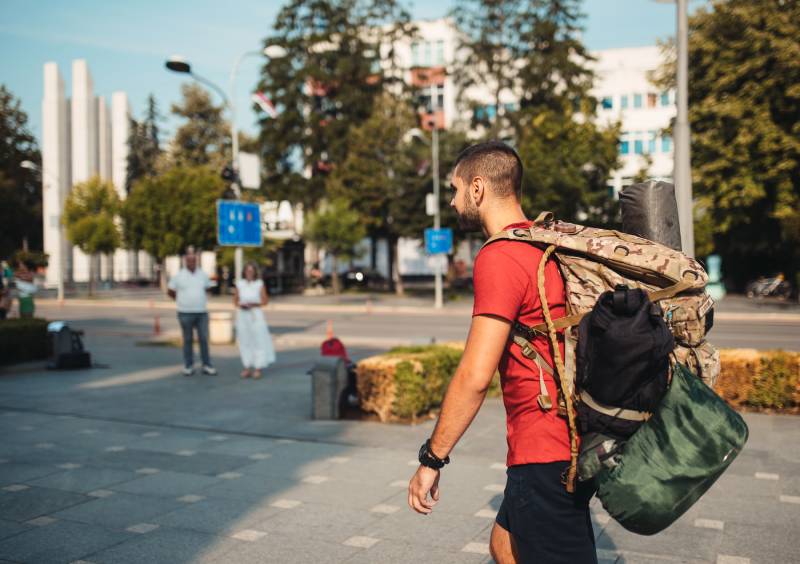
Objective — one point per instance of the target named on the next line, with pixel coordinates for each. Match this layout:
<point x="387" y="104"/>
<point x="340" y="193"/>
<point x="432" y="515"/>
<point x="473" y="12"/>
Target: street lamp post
<point x="52" y="182"/>
<point x="437" y="217"/>
<point x="179" y="64"/>
<point x="682" y="171"/>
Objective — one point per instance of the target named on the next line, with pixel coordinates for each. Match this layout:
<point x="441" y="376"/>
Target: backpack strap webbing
<point x="618" y="412"/>
<point x="528" y="351"/>
<point x="572" y="471"/>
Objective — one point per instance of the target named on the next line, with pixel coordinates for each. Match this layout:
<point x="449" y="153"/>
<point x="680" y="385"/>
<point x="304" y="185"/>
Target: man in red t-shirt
<point x="538" y="520"/>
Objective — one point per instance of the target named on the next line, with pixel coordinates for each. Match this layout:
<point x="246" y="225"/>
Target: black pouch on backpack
<point x="622" y="361"/>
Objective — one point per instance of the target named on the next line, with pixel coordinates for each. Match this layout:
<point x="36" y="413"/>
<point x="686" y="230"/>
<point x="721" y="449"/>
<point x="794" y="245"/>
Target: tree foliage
<point x="204" y="137"/>
<point x="144" y="145"/>
<point x="20" y="189"/>
<point x="165" y="213"/>
<point x="744" y="94"/>
<point x="324" y="86"/>
<point x="533" y="49"/>
<point x="337" y="229"/>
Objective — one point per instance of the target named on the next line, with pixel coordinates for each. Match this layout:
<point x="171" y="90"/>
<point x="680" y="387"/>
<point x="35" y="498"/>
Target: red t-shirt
<point x="505" y="279"/>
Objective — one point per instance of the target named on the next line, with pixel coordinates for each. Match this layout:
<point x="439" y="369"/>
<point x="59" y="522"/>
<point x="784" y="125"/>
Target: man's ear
<point x="477" y="189"/>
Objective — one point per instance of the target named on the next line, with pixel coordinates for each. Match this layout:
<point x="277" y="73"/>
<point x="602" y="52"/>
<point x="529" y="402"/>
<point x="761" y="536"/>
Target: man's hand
<point x="426" y="480"/>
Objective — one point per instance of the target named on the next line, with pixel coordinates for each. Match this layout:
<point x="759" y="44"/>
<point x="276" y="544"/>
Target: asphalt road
<point x="739" y="329"/>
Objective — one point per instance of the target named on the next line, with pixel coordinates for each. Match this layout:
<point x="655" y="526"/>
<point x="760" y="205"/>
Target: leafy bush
<point x="409" y="382"/>
<point x="22" y="340"/>
<point x="760" y="379"/>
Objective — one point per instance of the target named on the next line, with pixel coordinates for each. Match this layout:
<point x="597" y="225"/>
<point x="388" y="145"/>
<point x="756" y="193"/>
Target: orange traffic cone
<point x="329" y="331"/>
<point x="156" y="326"/>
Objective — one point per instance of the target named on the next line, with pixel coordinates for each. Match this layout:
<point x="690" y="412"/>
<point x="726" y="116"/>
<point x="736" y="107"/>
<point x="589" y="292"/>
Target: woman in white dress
<point x="252" y="332"/>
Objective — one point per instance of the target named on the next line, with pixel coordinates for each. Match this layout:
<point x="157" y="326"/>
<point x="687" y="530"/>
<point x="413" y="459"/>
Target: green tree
<point x="144" y="145"/>
<point x="20" y="189"/>
<point x="165" y="213"/>
<point x="204" y="136"/>
<point x="90" y="220"/>
<point x="744" y="96"/>
<point x="324" y="86"/>
<point x="534" y="49"/>
<point x="337" y="229"/>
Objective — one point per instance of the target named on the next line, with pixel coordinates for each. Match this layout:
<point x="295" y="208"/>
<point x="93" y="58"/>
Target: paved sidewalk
<point x="135" y="463"/>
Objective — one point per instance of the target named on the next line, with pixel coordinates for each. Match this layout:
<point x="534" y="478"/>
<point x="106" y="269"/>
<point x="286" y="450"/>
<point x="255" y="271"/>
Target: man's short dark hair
<point x="495" y="161"/>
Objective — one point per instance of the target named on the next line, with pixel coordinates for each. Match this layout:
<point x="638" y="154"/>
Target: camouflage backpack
<point x="593" y="261"/>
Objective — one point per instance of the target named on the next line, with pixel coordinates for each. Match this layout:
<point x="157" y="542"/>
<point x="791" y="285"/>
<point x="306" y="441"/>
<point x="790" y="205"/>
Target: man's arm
<point x="487" y="339"/>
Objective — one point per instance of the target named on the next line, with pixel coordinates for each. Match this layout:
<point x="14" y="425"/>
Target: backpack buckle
<point x="545" y="403"/>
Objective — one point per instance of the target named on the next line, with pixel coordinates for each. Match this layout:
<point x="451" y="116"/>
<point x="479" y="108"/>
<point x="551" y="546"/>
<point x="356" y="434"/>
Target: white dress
<point x="252" y="332"/>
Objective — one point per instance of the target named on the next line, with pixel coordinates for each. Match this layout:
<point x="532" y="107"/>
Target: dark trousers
<point x="189" y="322"/>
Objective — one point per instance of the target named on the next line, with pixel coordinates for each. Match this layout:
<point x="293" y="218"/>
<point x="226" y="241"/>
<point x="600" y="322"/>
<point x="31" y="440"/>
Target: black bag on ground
<point x="622" y="367"/>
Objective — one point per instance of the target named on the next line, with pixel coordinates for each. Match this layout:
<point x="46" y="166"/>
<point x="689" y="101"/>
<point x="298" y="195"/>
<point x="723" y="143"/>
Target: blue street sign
<point x="438" y="240"/>
<point x="238" y="224"/>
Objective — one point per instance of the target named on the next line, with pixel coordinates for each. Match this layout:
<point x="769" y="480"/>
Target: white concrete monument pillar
<point x="125" y="261"/>
<point x="85" y="155"/>
<point x="55" y="171"/>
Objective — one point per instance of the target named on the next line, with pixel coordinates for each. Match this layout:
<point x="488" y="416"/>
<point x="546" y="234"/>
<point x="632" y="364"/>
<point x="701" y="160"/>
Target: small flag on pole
<point x="265" y="104"/>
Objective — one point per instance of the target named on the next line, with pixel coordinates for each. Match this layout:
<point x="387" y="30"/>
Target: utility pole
<point x="683" y="169"/>
<point x="437" y="218"/>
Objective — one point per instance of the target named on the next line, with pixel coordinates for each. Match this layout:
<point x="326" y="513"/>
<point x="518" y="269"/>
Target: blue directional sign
<point x="438" y="240"/>
<point x="238" y="224"/>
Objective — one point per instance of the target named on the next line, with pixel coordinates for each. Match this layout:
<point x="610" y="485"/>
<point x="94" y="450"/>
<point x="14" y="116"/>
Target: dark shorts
<point x="548" y="525"/>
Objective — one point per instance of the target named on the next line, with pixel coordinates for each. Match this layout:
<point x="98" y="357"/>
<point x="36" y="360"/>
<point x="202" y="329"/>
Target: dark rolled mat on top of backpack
<point x="650" y="210"/>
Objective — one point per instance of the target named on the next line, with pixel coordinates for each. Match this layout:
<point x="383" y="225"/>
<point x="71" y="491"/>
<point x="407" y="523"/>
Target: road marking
<point x="69" y="466"/>
<point x="44" y="445"/>
<point x="142" y="528"/>
<point x="16" y="488"/>
<point x="249" y="535"/>
<point x="709" y="524"/>
<point x="185" y="453"/>
<point x="486" y="513"/>
<point x="230" y="475"/>
<point x="101" y="493"/>
<point x="148" y="471"/>
<point x="790" y="498"/>
<point x="399" y="484"/>
<point x="116" y="449"/>
<point x="766" y="476"/>
<point x="260" y="456"/>
<point x="218" y="438"/>
<point x="151" y="434"/>
<point x="725" y="559"/>
<point x="498" y="466"/>
<point x="191" y="498"/>
<point x="339" y="459"/>
<point x="41" y="521"/>
<point x="315" y="479"/>
<point x="476" y="548"/>
<point x="361" y="542"/>
<point x="285" y="503"/>
<point x="495" y="488"/>
<point x="385" y="509"/>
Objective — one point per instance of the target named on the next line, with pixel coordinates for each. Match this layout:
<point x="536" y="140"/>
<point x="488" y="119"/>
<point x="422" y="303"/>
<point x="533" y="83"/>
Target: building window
<point x="652" y="100"/>
<point x="440" y="53"/>
<point x="428" y="60"/>
<point x="666" y="143"/>
<point x="665" y="98"/>
<point x="623" y="101"/>
<point x="415" y="60"/>
<point x="638" y="145"/>
<point x="624" y="145"/>
<point x="637" y="100"/>
<point x="607" y="102"/>
<point x="651" y="141"/>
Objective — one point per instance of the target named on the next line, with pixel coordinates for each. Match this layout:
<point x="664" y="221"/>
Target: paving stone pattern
<point x="174" y="469"/>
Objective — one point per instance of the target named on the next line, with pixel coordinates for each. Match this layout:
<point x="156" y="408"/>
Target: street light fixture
<point x="179" y="64"/>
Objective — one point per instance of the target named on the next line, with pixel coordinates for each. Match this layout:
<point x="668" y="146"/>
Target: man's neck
<point x="501" y="218"/>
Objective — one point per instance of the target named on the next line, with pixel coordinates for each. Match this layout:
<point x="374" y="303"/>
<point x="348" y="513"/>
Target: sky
<point x="126" y="42"/>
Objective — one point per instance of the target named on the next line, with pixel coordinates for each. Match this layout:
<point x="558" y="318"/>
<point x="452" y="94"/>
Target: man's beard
<point x="470" y="220"/>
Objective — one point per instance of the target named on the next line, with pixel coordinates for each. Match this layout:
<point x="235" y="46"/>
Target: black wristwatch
<point x="427" y="458"/>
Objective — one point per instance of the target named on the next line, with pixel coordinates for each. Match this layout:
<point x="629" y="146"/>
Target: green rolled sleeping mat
<point x="673" y="458"/>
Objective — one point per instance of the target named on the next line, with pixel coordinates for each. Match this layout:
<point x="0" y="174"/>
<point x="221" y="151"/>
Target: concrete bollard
<point x="328" y="382"/>
<point x="220" y="327"/>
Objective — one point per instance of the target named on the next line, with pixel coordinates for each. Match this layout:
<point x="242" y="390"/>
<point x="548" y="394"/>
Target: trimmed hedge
<point x="409" y="383"/>
<point x="22" y="340"/>
<point x="760" y="379"/>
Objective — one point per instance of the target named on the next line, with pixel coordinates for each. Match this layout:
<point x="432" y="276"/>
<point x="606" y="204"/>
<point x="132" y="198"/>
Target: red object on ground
<point x="334" y="347"/>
